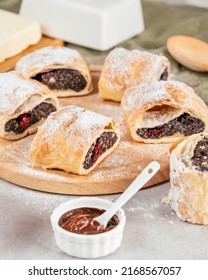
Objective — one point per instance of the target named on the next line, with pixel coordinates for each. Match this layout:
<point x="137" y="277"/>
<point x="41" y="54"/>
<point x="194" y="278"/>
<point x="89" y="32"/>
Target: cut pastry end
<point x="189" y="179"/>
<point x="62" y="69"/>
<point x="64" y="81"/>
<point x="179" y="126"/>
<point x="200" y="155"/>
<point x="27" y="122"/>
<point x="164" y="112"/>
<point x="25" y="104"/>
<point x="103" y="146"/>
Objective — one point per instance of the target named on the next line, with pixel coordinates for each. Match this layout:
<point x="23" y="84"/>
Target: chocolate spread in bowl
<point x="81" y="221"/>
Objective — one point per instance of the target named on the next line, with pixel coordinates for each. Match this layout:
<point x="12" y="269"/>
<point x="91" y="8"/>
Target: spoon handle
<point x="148" y="172"/>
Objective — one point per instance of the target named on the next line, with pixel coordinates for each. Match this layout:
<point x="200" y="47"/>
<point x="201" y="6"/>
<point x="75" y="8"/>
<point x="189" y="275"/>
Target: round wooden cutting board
<point x="113" y="175"/>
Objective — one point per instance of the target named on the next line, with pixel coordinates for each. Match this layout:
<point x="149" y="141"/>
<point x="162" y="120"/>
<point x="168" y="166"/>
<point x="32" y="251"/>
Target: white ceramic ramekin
<point x="87" y="246"/>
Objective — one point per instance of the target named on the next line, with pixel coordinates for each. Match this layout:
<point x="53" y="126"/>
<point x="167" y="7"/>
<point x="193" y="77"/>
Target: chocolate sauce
<point x="81" y="221"/>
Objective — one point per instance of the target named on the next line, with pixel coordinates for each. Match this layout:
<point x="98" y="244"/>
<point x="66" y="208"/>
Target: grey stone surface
<point x="152" y="230"/>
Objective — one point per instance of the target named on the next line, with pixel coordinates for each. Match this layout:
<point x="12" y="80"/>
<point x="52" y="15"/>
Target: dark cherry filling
<point x="164" y="75"/>
<point x="22" y="122"/>
<point x="103" y="143"/>
<point x="200" y="156"/>
<point x="62" y="79"/>
<point x="184" y="124"/>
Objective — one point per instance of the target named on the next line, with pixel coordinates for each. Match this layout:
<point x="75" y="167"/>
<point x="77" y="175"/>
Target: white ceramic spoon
<point x="149" y="171"/>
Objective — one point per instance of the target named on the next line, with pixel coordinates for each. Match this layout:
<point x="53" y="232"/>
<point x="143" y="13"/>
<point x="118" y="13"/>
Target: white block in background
<point x="16" y="34"/>
<point x="200" y="3"/>
<point x="97" y="24"/>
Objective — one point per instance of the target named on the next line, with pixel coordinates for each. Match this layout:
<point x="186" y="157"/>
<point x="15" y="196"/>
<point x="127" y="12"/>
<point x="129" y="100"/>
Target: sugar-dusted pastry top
<point x="74" y="139"/>
<point x="124" y="68"/>
<point x="173" y="93"/>
<point x="62" y="69"/>
<point x="189" y="179"/>
<point x="163" y="111"/>
<point x="72" y="120"/>
<point x="14" y="91"/>
<point x="45" y="57"/>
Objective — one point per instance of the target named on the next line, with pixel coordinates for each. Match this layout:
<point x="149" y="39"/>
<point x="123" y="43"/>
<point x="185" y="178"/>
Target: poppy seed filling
<point x="164" y="75"/>
<point x="184" y="124"/>
<point x="103" y="143"/>
<point x="22" y="122"/>
<point x="200" y="156"/>
<point x="62" y="79"/>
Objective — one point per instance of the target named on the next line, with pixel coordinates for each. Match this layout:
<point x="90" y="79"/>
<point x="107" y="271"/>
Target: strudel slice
<point x="162" y="112"/>
<point x="24" y="105"/>
<point x="124" y="68"/>
<point x="189" y="179"/>
<point x="62" y="69"/>
<point x="74" y="139"/>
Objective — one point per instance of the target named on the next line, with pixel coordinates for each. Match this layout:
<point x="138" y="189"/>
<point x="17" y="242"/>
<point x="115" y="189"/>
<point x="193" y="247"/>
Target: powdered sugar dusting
<point x="156" y="91"/>
<point x="57" y="120"/>
<point x="119" y="63"/>
<point x="46" y="57"/>
<point x="14" y="91"/>
<point x="72" y="119"/>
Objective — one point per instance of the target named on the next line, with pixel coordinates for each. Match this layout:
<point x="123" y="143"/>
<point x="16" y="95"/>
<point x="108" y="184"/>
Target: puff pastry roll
<point x="62" y="69"/>
<point x="123" y="69"/>
<point x="162" y="112"/>
<point x="189" y="179"/>
<point x="74" y="139"/>
<point x="24" y="105"/>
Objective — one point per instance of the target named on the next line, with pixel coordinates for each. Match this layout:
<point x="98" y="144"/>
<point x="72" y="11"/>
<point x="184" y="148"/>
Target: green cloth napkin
<point x="161" y="21"/>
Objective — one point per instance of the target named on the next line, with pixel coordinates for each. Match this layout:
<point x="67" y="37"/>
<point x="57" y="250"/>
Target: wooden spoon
<point x="189" y="51"/>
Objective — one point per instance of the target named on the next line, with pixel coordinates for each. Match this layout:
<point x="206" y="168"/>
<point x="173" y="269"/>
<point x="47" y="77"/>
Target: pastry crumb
<point x="165" y="200"/>
<point x="139" y="167"/>
<point x="170" y="222"/>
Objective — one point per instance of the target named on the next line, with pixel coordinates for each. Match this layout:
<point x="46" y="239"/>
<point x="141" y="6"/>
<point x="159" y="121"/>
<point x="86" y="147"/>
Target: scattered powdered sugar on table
<point x="36" y="200"/>
<point x="148" y="210"/>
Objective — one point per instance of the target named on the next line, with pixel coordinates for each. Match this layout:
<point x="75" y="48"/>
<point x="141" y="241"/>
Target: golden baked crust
<point x="123" y="69"/>
<point x="158" y="102"/>
<point x="65" y="138"/>
<point x="50" y="58"/>
<point x="189" y="186"/>
<point x="19" y="96"/>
